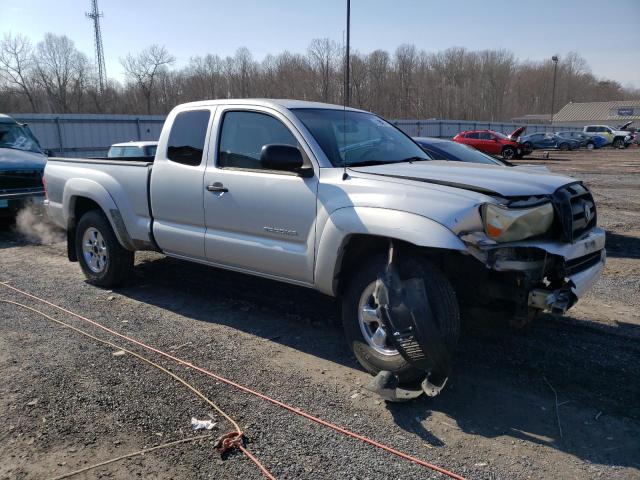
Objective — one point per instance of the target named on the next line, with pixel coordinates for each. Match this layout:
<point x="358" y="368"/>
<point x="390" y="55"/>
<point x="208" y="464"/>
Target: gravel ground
<point x="67" y="402"/>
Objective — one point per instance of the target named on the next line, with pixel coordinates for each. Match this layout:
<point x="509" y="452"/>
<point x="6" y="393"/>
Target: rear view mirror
<point x="277" y="156"/>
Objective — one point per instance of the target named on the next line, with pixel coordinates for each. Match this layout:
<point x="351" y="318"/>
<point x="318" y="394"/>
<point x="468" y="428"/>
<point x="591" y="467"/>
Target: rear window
<point x="186" y="140"/>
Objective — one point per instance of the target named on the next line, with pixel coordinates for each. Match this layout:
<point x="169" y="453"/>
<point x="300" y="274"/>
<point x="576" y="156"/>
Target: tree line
<point x="53" y="76"/>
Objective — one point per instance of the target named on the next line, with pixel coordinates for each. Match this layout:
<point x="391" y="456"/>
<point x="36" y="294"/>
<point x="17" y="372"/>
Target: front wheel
<point x="618" y="143"/>
<point x="103" y="260"/>
<point x="564" y="147"/>
<point x="528" y="146"/>
<point x="364" y="330"/>
<point x="508" y="153"/>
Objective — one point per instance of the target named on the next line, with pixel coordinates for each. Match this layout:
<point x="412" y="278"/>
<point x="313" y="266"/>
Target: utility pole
<point x="347" y="86"/>
<point x="95" y="15"/>
<point x="553" y="91"/>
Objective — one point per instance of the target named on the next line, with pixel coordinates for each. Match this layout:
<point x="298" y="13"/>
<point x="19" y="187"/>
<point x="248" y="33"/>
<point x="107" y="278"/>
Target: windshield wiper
<point x="369" y="163"/>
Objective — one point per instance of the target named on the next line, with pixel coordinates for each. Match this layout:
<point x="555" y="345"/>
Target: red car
<point x="494" y="143"/>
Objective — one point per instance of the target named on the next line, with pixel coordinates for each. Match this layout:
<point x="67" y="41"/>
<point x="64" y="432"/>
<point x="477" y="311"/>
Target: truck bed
<point x="120" y="187"/>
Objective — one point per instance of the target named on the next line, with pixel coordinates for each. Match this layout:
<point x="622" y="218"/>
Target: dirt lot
<point x="68" y="402"/>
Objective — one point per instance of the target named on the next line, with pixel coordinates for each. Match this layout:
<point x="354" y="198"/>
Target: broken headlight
<point x="504" y="224"/>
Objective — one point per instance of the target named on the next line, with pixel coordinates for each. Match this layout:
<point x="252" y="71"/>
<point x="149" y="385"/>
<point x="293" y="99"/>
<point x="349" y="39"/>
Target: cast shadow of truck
<point x="497" y="387"/>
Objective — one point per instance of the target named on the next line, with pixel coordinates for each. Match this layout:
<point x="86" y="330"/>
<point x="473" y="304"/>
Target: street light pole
<point x="553" y="91"/>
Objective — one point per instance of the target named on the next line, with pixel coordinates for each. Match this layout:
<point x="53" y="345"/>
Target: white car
<point x="132" y="150"/>
<point x="616" y="138"/>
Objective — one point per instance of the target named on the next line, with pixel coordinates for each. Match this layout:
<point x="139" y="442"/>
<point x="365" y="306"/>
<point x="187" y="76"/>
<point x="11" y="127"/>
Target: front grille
<point x="577" y="265"/>
<point x="576" y="210"/>
<point x="20" y="180"/>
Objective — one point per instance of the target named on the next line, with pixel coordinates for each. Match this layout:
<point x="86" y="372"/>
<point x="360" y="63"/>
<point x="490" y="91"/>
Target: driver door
<point x="258" y="220"/>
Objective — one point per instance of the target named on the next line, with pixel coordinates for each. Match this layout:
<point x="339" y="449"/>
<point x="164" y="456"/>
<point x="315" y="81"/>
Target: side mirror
<point x="275" y="156"/>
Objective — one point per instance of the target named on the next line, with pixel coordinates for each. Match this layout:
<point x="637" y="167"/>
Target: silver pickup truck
<point x="318" y="195"/>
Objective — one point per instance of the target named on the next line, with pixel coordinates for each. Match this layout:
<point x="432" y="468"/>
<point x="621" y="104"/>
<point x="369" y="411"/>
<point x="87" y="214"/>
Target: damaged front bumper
<point x="551" y="275"/>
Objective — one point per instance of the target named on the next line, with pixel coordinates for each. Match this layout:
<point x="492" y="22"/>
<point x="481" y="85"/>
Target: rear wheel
<point x="364" y="330"/>
<point x="508" y="153"/>
<point x="103" y="260"/>
<point x="591" y="146"/>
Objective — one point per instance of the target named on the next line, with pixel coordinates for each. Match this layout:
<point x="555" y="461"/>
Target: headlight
<point x="504" y="224"/>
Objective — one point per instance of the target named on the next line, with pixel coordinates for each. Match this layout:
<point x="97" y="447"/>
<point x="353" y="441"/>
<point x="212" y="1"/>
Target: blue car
<point x="440" y="149"/>
<point x="538" y="141"/>
<point x="586" y="140"/>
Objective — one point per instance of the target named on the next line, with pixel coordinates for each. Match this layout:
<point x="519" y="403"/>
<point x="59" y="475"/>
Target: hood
<point x="517" y="132"/>
<point x="491" y="180"/>
<point x="11" y="159"/>
<point x="622" y="127"/>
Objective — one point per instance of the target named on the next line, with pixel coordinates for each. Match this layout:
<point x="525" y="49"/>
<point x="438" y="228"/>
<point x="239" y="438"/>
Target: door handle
<point x="217" y="187"/>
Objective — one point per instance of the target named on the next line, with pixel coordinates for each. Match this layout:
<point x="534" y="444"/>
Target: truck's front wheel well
<point x="81" y="205"/>
<point x="361" y="247"/>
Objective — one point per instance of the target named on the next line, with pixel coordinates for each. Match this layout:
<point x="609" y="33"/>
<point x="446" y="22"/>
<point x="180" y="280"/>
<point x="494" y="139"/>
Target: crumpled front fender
<point x="381" y="222"/>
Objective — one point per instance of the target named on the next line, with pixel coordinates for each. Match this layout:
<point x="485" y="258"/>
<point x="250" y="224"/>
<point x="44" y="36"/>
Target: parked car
<point x="617" y="138"/>
<point x="633" y="131"/>
<point x="441" y="149"/>
<point x="494" y="143"/>
<point x="341" y="201"/>
<point x="132" y="150"/>
<point x="22" y="163"/>
<point x="538" y="141"/>
<point x="586" y="140"/>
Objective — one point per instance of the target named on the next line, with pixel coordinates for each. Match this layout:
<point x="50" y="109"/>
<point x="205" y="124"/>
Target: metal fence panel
<point x="86" y="135"/>
<point x="450" y="128"/>
<point x="89" y="135"/>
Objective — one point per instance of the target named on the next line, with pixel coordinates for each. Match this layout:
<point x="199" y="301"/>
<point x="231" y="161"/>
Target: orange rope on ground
<point x="262" y="396"/>
<point x="234" y="438"/>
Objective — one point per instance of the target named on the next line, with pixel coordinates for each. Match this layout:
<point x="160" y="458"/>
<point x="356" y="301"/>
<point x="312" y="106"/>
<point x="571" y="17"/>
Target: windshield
<point x="358" y="138"/>
<point x="18" y="137"/>
<point x="464" y="153"/>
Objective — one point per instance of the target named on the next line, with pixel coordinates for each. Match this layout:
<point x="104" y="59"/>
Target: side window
<point x="486" y="136"/>
<point x="132" y="152"/>
<point x="601" y="129"/>
<point x="186" y="140"/>
<point x="115" y="152"/>
<point x="591" y="129"/>
<point x="245" y="133"/>
<point x="473" y="135"/>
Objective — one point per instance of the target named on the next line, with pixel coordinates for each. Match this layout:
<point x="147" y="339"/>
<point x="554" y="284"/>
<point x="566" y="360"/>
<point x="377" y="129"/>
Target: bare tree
<point x="61" y="71"/>
<point x="323" y="57"/>
<point x="143" y="69"/>
<point x="17" y="65"/>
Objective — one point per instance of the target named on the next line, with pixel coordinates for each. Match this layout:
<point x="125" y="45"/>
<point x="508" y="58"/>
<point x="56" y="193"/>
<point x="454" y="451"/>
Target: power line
<point x="95" y="15"/>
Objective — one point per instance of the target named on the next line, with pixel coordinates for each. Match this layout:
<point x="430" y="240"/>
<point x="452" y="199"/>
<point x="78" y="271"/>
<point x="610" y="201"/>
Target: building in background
<point x="599" y="113"/>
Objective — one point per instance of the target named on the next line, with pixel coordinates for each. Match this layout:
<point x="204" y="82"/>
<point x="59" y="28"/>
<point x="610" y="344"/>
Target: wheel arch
<point x="352" y="234"/>
<point x="83" y="195"/>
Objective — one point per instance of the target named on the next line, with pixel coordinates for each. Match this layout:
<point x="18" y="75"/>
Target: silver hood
<point x="486" y="179"/>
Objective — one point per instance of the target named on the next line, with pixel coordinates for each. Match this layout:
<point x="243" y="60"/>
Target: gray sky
<point x="606" y="34"/>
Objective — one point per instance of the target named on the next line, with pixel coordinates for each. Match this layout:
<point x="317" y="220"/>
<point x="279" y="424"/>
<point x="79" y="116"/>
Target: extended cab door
<point x="258" y="220"/>
<point x="177" y="184"/>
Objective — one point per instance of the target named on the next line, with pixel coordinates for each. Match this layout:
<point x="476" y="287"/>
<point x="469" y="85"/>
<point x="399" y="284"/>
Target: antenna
<point x="346" y="85"/>
<point x="95" y="15"/>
